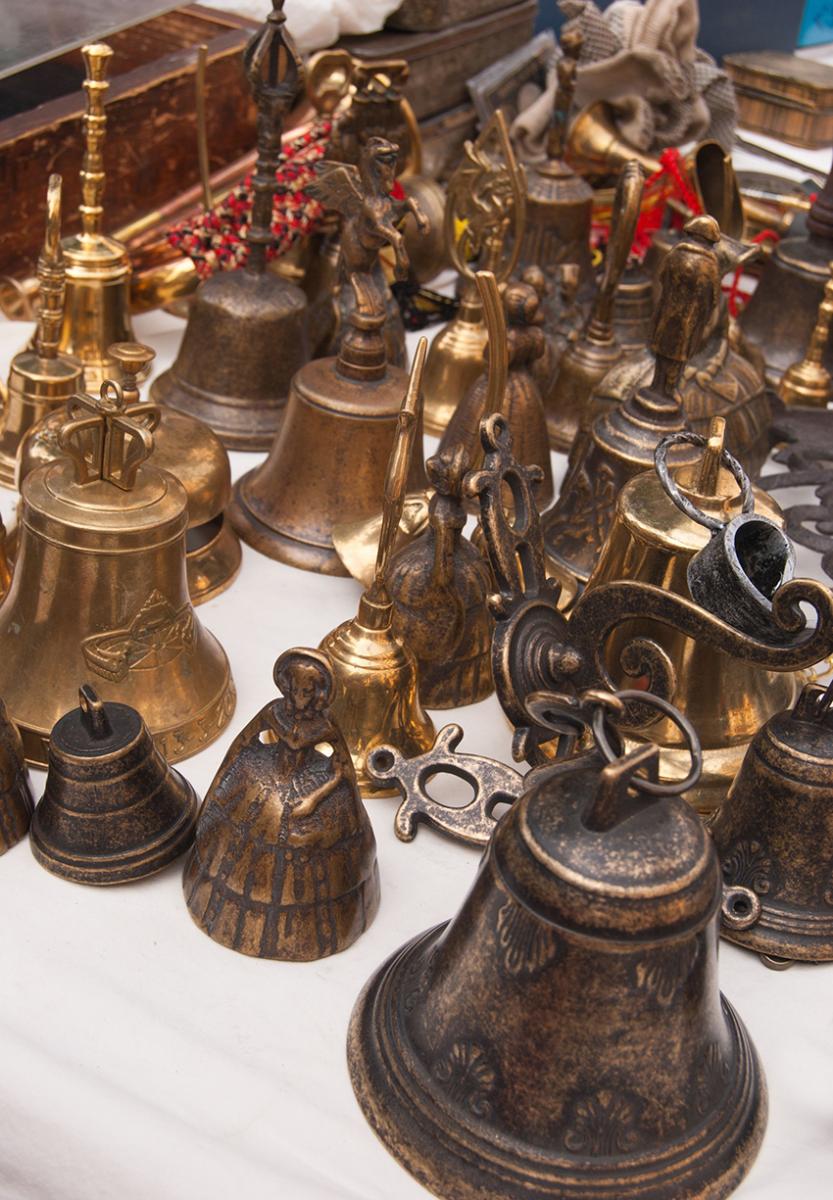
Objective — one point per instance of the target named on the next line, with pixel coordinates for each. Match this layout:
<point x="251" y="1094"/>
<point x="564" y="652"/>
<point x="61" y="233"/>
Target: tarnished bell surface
<point x="112" y="810"/>
<point x="284" y="863"/>
<point x="775" y="836"/>
<point x="16" y="801"/>
<point x="100" y="593"/>
<point x="652" y="541"/>
<point x="39" y="378"/>
<point x="182" y="445"/>
<point x="808" y="383"/>
<point x="327" y="464"/>
<point x="97" y="299"/>
<point x="439" y="585"/>
<point x="247" y="329"/>
<point x="563" y="1037"/>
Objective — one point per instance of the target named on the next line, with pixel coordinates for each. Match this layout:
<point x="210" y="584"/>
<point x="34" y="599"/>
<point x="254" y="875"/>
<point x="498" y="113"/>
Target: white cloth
<point x="318" y="23"/>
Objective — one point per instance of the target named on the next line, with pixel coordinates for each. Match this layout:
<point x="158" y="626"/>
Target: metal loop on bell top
<point x="94" y="713"/>
<point x="672" y="488"/>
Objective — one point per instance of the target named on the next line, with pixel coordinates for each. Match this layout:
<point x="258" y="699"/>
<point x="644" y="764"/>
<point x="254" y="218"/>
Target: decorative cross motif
<point x="107" y="439"/>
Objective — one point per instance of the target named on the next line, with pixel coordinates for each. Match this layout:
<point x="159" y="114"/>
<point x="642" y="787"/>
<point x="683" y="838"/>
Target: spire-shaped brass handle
<point x="572" y="41"/>
<point x="51" y="276"/>
<point x="96" y="61"/>
<point x="495" y="320"/>
<point x="626" y="206"/>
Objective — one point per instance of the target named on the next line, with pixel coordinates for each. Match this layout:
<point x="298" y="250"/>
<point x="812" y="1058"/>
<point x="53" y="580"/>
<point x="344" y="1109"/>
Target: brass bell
<point x="99" y="589"/>
<point x="563" y="1036"/>
<point x="284" y="862"/>
<point x="16" y="802"/>
<point x="182" y="445"/>
<point x="559" y="204"/>
<point x="486" y="197"/>
<point x="377" y="698"/>
<point x="39" y="378"/>
<point x="775" y="837"/>
<point x="808" y="382"/>
<point x="439" y="585"/>
<point x="595" y="350"/>
<point x="97" y="297"/>
<point x="247" y="329"/>
<point x="595" y="147"/>
<point x="508" y="385"/>
<point x="653" y="540"/>
<point x="621" y="442"/>
<point x="327" y="464"/>
<point x="112" y="810"/>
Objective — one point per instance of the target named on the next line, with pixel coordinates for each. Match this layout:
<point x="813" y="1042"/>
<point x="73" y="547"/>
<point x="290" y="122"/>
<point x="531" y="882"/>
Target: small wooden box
<point x="442" y="61"/>
<point x="784" y="96"/>
<point x="150" y="153"/>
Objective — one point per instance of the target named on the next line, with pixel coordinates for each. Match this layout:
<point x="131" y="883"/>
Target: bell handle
<point x="93" y="713"/>
<point x="600" y="726"/>
<point x="626" y="208"/>
<point x="495" y="320"/>
<point x="51" y="276"/>
<point x="672" y="489"/>
<point x="96" y="60"/>
<point x="82" y="440"/>
<point x="571" y="41"/>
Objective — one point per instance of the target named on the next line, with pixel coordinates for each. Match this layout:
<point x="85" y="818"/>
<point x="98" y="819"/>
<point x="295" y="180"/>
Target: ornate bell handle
<point x="626" y="207"/>
<point x="672" y="488"/>
<point x="104" y="439"/>
<point x="82" y="440"/>
<point x="51" y="276"/>
<point x="498" y="346"/>
<point x="572" y="41"/>
<point x="96" y="61"/>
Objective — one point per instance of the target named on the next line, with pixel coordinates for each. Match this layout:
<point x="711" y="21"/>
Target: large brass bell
<point x="327" y="464"/>
<point x="40" y="379"/>
<point x="564" y="1036"/>
<point x="182" y="445"/>
<point x="99" y="590"/>
<point x="97" y="299"/>
<point x="775" y="837"/>
<point x="16" y="802"/>
<point x="247" y="329"/>
<point x="113" y="810"/>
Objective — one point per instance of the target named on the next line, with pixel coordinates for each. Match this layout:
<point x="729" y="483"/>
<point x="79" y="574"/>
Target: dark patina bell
<point x="775" y="836"/>
<point x="16" y="802"/>
<point x="113" y="809"/>
<point x="746" y="560"/>
<point x="563" y="1037"/>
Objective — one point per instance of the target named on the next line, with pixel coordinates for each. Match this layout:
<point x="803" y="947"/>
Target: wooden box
<point x="442" y="61"/>
<point x="784" y="96"/>
<point x="438" y="14"/>
<point x="151" y="151"/>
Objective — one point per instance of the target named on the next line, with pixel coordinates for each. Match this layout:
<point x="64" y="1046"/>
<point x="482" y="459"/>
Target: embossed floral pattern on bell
<point x="284" y="864"/>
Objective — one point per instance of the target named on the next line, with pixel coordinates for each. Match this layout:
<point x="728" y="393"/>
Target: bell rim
<point x="274" y="543"/>
<point x="788" y="931"/>
<point x="394" y="1115"/>
<point x="213" y="568"/>
<point x="209" y="407"/>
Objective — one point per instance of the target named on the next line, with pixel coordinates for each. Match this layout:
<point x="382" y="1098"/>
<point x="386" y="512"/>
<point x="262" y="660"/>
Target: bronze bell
<point x="182" y="445"/>
<point x="327" y="464"/>
<point x="775" y="837"/>
<point x="16" y="802"/>
<point x="40" y="379"/>
<point x="97" y="297"/>
<point x="113" y="810"/>
<point x="564" y="1036"/>
<point x="284" y="862"/>
<point x="439" y="585"/>
<point x="100" y="592"/>
<point x="508" y="385"/>
<point x="808" y="382"/>
<point x="246" y="334"/>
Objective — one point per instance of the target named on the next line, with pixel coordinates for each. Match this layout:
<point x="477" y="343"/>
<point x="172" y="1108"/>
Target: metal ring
<point x="672" y="487"/>
<point x="664" y="787"/>
<point x="740" y="908"/>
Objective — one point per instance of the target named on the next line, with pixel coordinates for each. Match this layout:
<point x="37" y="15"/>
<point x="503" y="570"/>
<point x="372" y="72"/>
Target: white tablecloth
<point x="139" y="1060"/>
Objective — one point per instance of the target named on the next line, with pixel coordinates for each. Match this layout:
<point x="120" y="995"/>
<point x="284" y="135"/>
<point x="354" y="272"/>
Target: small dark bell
<point x="113" y="810"/>
<point x="775" y="836"/>
<point x="564" y="1036"/>
<point x="16" y="801"/>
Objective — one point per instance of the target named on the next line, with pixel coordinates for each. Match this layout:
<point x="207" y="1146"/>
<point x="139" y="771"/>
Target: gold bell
<point x="182" y="445"/>
<point x="564" y="1036"/>
<point x="486" y="195"/>
<point x="595" y="351"/>
<point x="377" y="680"/>
<point x="100" y="592"/>
<point x="16" y="802"/>
<point x="808" y="382"/>
<point x="97" y="299"/>
<point x="327" y="464"/>
<point x="247" y="329"/>
<point x="595" y="148"/>
<point x="284" y="861"/>
<point x="774" y="837"/>
<point x="39" y="378"/>
<point x="652" y="541"/>
<point x="112" y="810"/>
<point x="508" y="386"/>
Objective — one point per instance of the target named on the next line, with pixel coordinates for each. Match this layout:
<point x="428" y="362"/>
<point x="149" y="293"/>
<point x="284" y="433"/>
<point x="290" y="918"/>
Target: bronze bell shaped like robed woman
<point x="247" y="329"/>
<point x="564" y="1036"/>
<point x="284" y="864"/>
<point x="99" y="590"/>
